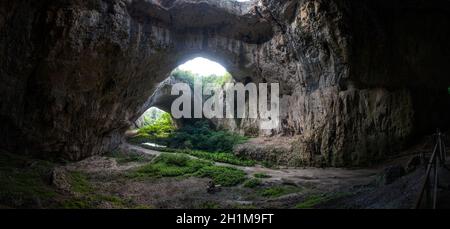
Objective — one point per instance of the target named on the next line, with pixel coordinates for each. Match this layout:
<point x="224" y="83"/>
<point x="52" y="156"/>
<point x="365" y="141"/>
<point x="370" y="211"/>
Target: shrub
<point x="158" y="128"/>
<point x="200" y="136"/>
<point x="225" y="176"/>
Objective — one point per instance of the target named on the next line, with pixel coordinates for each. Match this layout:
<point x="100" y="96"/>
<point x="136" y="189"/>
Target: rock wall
<point x="359" y="79"/>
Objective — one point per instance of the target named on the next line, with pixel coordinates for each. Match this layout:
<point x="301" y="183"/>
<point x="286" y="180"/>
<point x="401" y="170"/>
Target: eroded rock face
<point x="358" y="78"/>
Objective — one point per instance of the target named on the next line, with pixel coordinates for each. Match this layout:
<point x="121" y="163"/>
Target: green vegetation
<point x="197" y="135"/>
<point x="261" y="175"/>
<point x="221" y="175"/>
<point x="79" y="183"/>
<point x="252" y="183"/>
<point x="277" y="191"/>
<point x="24" y="181"/>
<point x="86" y="196"/>
<point x="199" y="140"/>
<point x="228" y="158"/>
<point x="317" y="199"/>
<point x="312" y="201"/>
<point x="200" y="136"/>
<point x="157" y="128"/>
<point x="170" y="165"/>
<point x="176" y="165"/>
<point x="188" y="77"/>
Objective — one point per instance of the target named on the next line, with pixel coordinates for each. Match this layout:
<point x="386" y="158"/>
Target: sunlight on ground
<point x="203" y="67"/>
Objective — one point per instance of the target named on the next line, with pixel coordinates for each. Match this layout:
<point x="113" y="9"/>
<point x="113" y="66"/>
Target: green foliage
<point x="188" y="77"/>
<point x="23" y="180"/>
<point x="277" y="191"/>
<point x="160" y="127"/>
<point x="252" y="183"/>
<point x="221" y="175"/>
<point x="86" y="197"/>
<point x="316" y="199"/>
<point x="312" y="201"/>
<point x="261" y="175"/>
<point x="228" y="158"/>
<point x="200" y="136"/>
<point x="175" y="165"/>
<point x="79" y="183"/>
<point x="170" y="165"/>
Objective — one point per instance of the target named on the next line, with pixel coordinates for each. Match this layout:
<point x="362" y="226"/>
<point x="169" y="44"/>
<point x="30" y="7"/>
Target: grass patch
<point x="221" y="157"/>
<point x="228" y="158"/>
<point x="176" y="165"/>
<point x="316" y="199"/>
<point x="170" y="165"/>
<point x="277" y="191"/>
<point x="87" y="197"/>
<point x="24" y="181"/>
<point x="221" y="175"/>
<point x="252" y="183"/>
<point x="261" y="175"/>
<point x="312" y="201"/>
<point x="94" y="201"/>
<point x="79" y="183"/>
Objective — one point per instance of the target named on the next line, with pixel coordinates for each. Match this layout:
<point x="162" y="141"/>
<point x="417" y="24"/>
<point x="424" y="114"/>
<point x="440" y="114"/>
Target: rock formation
<point x="359" y="79"/>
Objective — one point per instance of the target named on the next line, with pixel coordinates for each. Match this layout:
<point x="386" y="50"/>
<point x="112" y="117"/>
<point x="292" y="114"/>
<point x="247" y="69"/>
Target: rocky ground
<point x="110" y="182"/>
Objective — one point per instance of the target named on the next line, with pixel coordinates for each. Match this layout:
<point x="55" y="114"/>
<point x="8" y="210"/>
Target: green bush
<point x="157" y="128"/>
<point x="189" y="77"/>
<point x="200" y="136"/>
<point x="225" y="176"/>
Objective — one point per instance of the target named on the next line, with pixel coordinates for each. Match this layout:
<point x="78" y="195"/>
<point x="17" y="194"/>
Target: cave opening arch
<point x="197" y="70"/>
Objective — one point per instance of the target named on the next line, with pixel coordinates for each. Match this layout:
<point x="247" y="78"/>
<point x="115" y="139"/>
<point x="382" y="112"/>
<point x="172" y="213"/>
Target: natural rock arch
<point x="76" y="73"/>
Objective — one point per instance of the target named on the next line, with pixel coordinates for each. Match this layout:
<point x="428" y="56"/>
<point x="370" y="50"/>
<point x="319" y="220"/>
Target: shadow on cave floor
<point x="135" y="177"/>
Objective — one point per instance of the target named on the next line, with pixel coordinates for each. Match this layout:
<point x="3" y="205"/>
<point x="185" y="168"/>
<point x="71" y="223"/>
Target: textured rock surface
<point x="358" y="79"/>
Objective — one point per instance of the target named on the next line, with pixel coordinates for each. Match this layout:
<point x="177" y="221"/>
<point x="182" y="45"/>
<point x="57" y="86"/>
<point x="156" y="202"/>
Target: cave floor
<point x="102" y="182"/>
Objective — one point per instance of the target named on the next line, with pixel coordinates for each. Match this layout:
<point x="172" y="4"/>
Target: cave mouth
<point x="158" y="128"/>
<point x="198" y="70"/>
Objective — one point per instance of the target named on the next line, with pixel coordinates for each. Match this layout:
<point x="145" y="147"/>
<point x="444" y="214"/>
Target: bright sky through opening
<point x="203" y="67"/>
